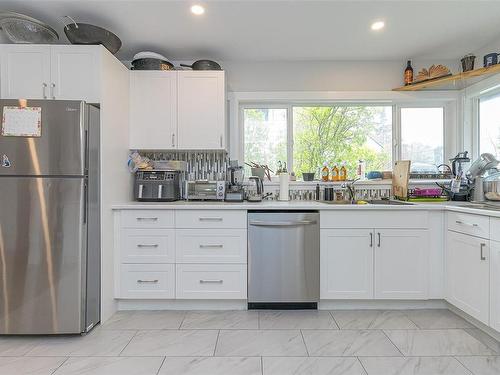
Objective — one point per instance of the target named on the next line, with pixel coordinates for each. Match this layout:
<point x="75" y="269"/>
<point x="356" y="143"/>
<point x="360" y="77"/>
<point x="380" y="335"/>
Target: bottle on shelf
<point x="325" y="172"/>
<point x="360" y="172"/>
<point x="408" y="76"/>
<point x="335" y="173"/>
<point x="343" y="172"/>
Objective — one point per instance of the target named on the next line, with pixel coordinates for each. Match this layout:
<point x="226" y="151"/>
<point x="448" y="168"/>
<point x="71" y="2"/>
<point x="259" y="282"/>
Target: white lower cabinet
<point x="401" y="264"/>
<point x="346" y="264"/>
<point x="147" y="281"/>
<point x="148" y="246"/>
<point x="211" y="245"/>
<point x="180" y="254"/>
<point x="211" y="281"/>
<point x="495" y="285"/>
<point x="374" y="263"/>
<point x="468" y="274"/>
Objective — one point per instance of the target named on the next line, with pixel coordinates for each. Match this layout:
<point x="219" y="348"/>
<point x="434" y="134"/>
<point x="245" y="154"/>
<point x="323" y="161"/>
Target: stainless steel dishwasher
<point x="283" y="259"/>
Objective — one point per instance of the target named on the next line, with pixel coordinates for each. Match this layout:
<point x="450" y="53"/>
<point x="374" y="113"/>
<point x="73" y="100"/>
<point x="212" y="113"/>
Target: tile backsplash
<point x="201" y="165"/>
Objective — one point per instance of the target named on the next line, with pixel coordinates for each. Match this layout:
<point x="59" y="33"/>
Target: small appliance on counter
<point x="259" y="193"/>
<point x="204" y="190"/>
<point x="157" y="186"/>
<point x="460" y="188"/>
<point x="235" y="191"/>
<point x="484" y="166"/>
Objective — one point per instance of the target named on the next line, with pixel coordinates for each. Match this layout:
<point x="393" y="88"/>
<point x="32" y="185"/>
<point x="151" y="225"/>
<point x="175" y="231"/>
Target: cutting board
<point x="401" y="178"/>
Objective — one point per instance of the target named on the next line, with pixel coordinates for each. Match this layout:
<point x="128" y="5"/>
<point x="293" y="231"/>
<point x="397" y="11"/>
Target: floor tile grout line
<point x="159" y="368"/>
<point x="334" y="320"/>
<point x="304" y="341"/>
<point x="58" y="367"/>
<point x="362" y="366"/>
<point x="459" y="361"/>
<point x="183" y="319"/>
<point x="128" y="343"/>
<point x="388" y="338"/>
<point x="496" y="352"/>
<point x="216" y="342"/>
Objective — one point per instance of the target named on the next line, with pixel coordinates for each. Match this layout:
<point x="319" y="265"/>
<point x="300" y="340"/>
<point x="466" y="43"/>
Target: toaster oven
<point x="206" y="190"/>
<point x="157" y="186"/>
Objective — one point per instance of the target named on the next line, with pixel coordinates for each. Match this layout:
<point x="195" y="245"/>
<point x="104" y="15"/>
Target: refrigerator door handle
<point x="85" y="200"/>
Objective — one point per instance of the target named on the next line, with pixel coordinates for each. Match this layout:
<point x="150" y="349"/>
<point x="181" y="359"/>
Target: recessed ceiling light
<point x="197" y="9"/>
<point x="378" y="25"/>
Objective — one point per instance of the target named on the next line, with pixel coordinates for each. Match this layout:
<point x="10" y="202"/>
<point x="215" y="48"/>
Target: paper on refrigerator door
<point x="22" y="121"/>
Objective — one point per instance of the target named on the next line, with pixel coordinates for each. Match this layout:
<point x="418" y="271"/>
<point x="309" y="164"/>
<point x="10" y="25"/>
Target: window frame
<point x="476" y="112"/>
<point x="450" y="133"/>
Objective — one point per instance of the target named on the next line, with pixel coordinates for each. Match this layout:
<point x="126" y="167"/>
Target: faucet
<point x="350" y="189"/>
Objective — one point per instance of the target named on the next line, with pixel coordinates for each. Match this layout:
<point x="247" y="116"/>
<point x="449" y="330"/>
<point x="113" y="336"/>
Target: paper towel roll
<point x="284" y="182"/>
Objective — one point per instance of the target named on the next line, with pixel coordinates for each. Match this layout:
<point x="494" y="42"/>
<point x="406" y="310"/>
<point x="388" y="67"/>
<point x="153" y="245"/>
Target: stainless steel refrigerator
<point x="49" y="219"/>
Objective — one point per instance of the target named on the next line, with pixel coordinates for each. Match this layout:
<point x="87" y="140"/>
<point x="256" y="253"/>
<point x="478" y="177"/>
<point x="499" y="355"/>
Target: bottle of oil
<point x="343" y="172"/>
<point x="334" y="175"/>
<point x="408" y="74"/>
<point x="325" y="172"/>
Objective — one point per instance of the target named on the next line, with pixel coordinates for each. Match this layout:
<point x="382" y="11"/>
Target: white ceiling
<point x="234" y="30"/>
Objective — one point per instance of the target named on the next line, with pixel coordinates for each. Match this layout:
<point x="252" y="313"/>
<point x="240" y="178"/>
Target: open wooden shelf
<point x="453" y="82"/>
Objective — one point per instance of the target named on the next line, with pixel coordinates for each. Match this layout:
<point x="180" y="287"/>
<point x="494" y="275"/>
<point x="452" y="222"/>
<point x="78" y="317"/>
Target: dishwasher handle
<point x="282" y="223"/>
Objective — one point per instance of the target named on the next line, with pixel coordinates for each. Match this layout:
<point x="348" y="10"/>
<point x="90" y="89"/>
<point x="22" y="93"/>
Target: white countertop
<point x="302" y="205"/>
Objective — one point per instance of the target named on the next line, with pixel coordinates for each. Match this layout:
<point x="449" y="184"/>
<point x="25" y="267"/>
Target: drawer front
<point x="211" y="281"/>
<point x="495" y="228"/>
<point x="147" y="246"/>
<point x="150" y="281"/>
<point x="357" y="219"/>
<point x="211" y="219"/>
<point x="211" y="246"/>
<point x="150" y="219"/>
<point x="475" y="225"/>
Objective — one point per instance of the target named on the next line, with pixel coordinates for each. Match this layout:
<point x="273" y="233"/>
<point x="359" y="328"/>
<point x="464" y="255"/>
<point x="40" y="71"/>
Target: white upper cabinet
<point x="346" y="264"/>
<point x="153" y="110"/>
<point x="201" y="110"/>
<point x="468" y="274"/>
<point x="25" y="71"/>
<point x="401" y="264"/>
<point x="75" y="73"/>
<point x="50" y="72"/>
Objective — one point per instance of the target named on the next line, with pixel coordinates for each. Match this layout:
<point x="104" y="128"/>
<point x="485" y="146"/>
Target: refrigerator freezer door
<point x="42" y="257"/>
<point x="59" y="151"/>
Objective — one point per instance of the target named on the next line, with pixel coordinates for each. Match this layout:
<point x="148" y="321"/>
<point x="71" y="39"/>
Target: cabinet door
<point x="153" y="110"/>
<point x="346" y="264"/>
<point x="25" y="71"/>
<point x="467" y="263"/>
<point x="495" y="285"/>
<point x="401" y="264"/>
<point x="201" y="108"/>
<point x="75" y="73"/>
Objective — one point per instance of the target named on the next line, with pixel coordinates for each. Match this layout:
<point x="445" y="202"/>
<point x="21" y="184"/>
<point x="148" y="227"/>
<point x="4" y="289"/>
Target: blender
<point x="235" y="191"/>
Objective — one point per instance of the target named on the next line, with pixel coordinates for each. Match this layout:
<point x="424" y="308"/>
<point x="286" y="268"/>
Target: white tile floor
<point x="418" y="342"/>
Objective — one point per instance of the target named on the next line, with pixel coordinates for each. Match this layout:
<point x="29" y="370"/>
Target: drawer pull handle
<point x="211" y="281"/>
<point x="469" y="224"/>
<point x="481" y="251"/>
<point x="211" y="246"/>
<point x="141" y="246"/>
<point x="210" y="219"/>
<point x="147" y="219"/>
<point x="147" y="281"/>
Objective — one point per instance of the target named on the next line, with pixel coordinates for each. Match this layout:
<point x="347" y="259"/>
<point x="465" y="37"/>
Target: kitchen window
<point x="489" y="125"/>
<point x="306" y="136"/>
<point x="422" y="137"/>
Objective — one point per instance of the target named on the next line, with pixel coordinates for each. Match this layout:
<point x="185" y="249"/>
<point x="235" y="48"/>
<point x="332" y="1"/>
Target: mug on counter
<point x="490" y="59"/>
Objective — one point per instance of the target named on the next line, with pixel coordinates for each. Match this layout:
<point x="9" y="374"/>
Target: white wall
<point x="319" y="75"/>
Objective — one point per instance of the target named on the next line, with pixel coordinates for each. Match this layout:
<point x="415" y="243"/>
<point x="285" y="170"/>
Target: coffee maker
<point x="235" y="191"/>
